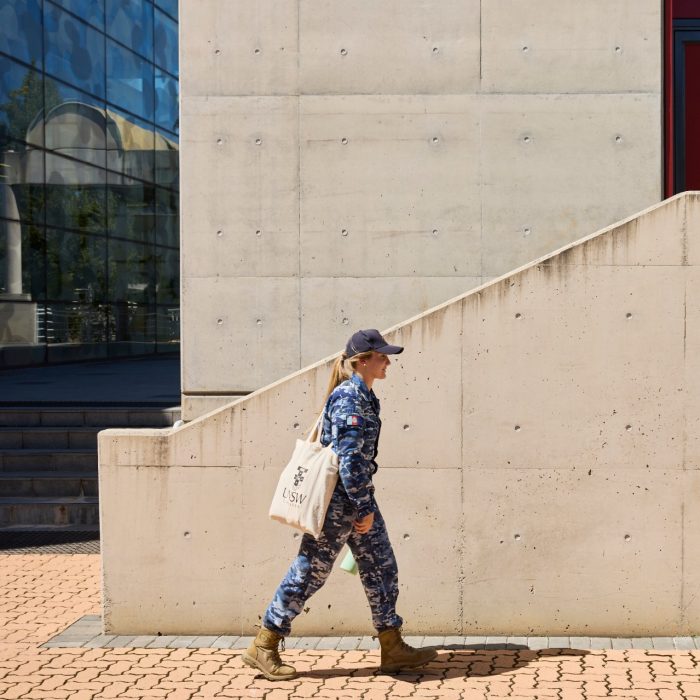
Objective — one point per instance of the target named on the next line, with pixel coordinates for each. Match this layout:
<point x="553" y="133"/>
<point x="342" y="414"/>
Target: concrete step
<point x="21" y="510"/>
<point x="47" y="438"/>
<point x="44" y="484"/>
<point x="47" y="460"/>
<point x="92" y="416"/>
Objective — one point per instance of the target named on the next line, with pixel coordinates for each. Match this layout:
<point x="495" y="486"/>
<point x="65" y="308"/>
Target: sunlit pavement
<point x="43" y="594"/>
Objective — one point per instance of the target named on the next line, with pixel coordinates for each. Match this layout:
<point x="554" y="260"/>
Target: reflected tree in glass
<point x="24" y="107"/>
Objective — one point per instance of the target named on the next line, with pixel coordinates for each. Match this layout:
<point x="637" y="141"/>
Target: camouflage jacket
<point x="351" y="425"/>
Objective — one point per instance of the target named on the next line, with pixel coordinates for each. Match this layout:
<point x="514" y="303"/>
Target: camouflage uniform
<point x="351" y="424"/>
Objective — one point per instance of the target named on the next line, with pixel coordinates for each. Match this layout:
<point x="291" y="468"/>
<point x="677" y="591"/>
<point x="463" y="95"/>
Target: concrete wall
<point x="540" y="464"/>
<point x="350" y="165"/>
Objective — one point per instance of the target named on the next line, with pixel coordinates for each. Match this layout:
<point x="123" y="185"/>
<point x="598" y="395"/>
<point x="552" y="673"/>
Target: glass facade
<point x="89" y="257"/>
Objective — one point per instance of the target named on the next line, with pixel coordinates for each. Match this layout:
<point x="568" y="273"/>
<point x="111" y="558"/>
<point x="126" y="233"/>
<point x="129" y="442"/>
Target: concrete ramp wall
<point x="539" y="464"/>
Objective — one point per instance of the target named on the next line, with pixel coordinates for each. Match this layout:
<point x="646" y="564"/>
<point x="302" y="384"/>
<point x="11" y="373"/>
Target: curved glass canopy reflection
<point x="89" y="264"/>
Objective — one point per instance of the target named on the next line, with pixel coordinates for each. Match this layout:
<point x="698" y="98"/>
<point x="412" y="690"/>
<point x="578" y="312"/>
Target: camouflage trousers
<point x="375" y="560"/>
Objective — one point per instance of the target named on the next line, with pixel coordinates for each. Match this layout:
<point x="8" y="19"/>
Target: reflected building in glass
<point x="89" y="257"/>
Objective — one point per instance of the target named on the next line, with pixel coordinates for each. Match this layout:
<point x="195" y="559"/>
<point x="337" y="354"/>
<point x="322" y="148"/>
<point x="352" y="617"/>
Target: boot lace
<point x="275" y="656"/>
<point x="406" y="647"/>
<point x="402" y="645"/>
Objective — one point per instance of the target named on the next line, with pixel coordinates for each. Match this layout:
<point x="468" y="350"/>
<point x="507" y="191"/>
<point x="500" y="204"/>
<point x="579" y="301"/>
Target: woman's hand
<point x="364" y="525"/>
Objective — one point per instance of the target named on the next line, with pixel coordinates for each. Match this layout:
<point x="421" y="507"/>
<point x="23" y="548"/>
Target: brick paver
<point x="43" y="594"/>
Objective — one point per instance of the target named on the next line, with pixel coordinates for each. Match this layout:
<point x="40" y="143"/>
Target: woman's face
<point x="375" y="365"/>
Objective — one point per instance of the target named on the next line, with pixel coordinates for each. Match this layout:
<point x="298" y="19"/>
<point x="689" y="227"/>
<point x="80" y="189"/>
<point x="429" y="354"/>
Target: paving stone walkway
<point x="48" y="597"/>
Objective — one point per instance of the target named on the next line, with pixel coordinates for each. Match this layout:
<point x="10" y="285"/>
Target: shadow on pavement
<point x="46" y="542"/>
<point x="459" y="662"/>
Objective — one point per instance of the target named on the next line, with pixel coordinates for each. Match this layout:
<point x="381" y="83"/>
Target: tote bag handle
<point x="317" y="428"/>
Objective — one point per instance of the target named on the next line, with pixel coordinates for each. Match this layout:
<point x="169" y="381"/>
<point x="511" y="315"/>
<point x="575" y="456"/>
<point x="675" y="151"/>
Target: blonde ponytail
<point x="343" y="368"/>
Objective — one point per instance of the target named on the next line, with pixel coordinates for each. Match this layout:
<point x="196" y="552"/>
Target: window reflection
<point x="133" y="327"/>
<point x="129" y="80"/>
<point x="75" y="324"/>
<point x="75" y="195"/>
<point x="74" y="51"/>
<point x="22" y="183"/>
<point x="130" y="145"/>
<point x="169" y="6"/>
<point x="168" y="327"/>
<point x="167" y="218"/>
<point x="21" y="260"/>
<point x="168" y="275"/>
<point x="74" y="127"/>
<point x="131" y="272"/>
<point x="131" y="23"/>
<point x="167" y="101"/>
<point x="89" y="234"/>
<point x="165" y="36"/>
<point x="75" y="266"/>
<point x="92" y="11"/>
<point x="130" y="209"/>
<point x="20" y="30"/>
<point x="21" y="104"/>
<point x="167" y="160"/>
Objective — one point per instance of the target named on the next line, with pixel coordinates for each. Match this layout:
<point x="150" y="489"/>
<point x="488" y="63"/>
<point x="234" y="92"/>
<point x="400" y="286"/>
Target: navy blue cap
<point x="364" y="341"/>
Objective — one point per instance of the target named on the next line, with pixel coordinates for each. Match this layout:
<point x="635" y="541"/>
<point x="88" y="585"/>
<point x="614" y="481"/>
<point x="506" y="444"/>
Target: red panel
<point x="686" y="9"/>
<point x="692" y="116"/>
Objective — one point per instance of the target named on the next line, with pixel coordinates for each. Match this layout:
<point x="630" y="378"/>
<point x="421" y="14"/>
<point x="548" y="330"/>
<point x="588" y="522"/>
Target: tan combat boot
<point x="263" y="655"/>
<point x="397" y="655"/>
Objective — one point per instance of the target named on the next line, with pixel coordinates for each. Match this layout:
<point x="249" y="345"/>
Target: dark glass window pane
<point x="131" y="272"/>
<point x="73" y="324"/>
<point x="132" y="329"/>
<point x="92" y="11"/>
<point x="131" y="23"/>
<point x="168" y="326"/>
<point x="75" y="123"/>
<point x="166" y="102"/>
<point x="130" y="145"/>
<point x="76" y="266"/>
<point x="129" y="81"/>
<point x="169" y="6"/>
<point x="22" y="183"/>
<point x="20" y="30"/>
<point x="165" y="37"/>
<point x="167" y="160"/>
<point x="20" y="332"/>
<point x="167" y="218"/>
<point x="74" y="52"/>
<point x="75" y="195"/>
<point x="130" y="208"/>
<point x="21" y="261"/>
<point x="21" y="104"/>
<point x="168" y="275"/>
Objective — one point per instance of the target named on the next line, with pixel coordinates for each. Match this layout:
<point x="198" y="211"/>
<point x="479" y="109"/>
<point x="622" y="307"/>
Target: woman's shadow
<point x="458" y="661"/>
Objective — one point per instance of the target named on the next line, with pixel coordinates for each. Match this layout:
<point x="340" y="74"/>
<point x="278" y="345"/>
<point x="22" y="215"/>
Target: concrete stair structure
<point x="539" y="466"/>
<point x="48" y="462"/>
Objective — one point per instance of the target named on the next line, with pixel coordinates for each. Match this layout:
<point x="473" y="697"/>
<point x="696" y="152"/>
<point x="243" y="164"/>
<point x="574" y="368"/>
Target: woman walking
<point x="351" y="425"/>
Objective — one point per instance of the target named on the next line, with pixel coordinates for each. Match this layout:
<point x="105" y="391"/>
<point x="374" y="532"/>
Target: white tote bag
<point x="306" y="485"/>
